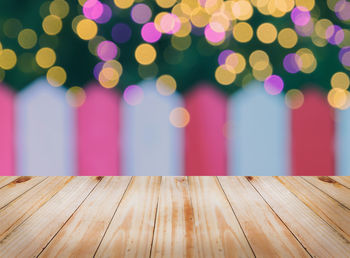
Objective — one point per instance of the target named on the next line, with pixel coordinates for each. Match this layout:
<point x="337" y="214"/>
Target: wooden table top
<point x="174" y="216"/>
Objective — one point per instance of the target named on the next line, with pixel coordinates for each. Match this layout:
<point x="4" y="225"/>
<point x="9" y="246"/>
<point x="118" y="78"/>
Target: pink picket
<point x="312" y="139"/>
<point x="205" y="141"/>
<point x="98" y="132"/>
<point x="7" y="145"/>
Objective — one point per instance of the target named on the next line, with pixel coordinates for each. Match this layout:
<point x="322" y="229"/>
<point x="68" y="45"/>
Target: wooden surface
<point x="175" y="216"/>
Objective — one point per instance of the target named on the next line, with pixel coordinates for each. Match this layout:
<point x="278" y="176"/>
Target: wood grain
<point x="89" y="222"/>
<point x="131" y="230"/>
<point x="322" y="204"/>
<point x="32" y="236"/>
<point x="259" y="222"/>
<point x="4" y="180"/>
<point x="314" y="233"/>
<point x="17" y="187"/>
<point x="24" y="206"/>
<point x="344" y="180"/>
<point x="174" y="232"/>
<point x="332" y="188"/>
<point x="217" y="230"/>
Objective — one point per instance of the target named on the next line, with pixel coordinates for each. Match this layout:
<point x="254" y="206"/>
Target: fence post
<point x="151" y="145"/>
<point x="205" y="139"/>
<point x="259" y="135"/>
<point x="98" y="141"/>
<point x="313" y="136"/>
<point x="7" y="145"/>
<point x="45" y="131"/>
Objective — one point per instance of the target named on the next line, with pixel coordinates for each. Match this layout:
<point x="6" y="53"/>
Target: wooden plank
<point x="17" y="187"/>
<point x="259" y="133"/>
<point x="319" y="239"/>
<point x="344" y="180"/>
<point x="99" y="207"/>
<point x="131" y="230"/>
<point x="151" y="144"/>
<point x="4" y="180"/>
<point x="313" y="136"/>
<point x="44" y="129"/>
<point x="217" y="230"/>
<point x="342" y="142"/>
<point x="98" y="139"/>
<point x="259" y="222"/>
<point x="24" y="206"/>
<point x="207" y="107"/>
<point x="324" y="206"/>
<point x="7" y="132"/>
<point x="332" y="188"/>
<point x="29" y="239"/>
<point x="174" y="232"/>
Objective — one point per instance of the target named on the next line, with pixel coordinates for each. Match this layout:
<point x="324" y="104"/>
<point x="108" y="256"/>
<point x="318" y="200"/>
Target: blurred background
<point x="174" y="87"/>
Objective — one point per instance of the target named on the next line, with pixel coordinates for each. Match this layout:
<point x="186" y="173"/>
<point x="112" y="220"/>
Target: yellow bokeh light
<point x="108" y="77"/>
<point x="8" y="59"/>
<point x="12" y="27"/>
<point x="199" y="17"/>
<point x="242" y="10"/>
<point x="45" y="57"/>
<point x="123" y="4"/>
<point x="82" y="2"/>
<point x="165" y="3"/>
<point x="145" y="54"/>
<point x="287" y="38"/>
<point x="56" y="76"/>
<point x="148" y="71"/>
<point x="114" y="64"/>
<point x="236" y="63"/>
<point x="179" y="117"/>
<point x="259" y="60"/>
<point x="338" y="98"/>
<point x="242" y="32"/>
<point x="261" y="75"/>
<point x="321" y="27"/>
<point x="224" y="75"/>
<point x="86" y="29"/>
<point x="266" y="33"/>
<point x="166" y="85"/>
<point x="308" y="4"/>
<point x="93" y="44"/>
<point x="340" y="80"/>
<point x="59" y="8"/>
<point x="27" y="38"/>
<point x="181" y="43"/>
<point x="294" y="99"/>
<point x="76" y="96"/>
<point x="52" y="25"/>
<point x="185" y="28"/>
<point x="308" y="60"/>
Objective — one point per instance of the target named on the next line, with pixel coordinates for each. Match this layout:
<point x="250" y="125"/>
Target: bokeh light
<point x="149" y="33"/>
<point x="179" y="117"/>
<point x="340" y="80"/>
<point x="141" y="13"/>
<point x="86" y="29"/>
<point x="294" y="99"/>
<point x="145" y="54"/>
<point x="56" y="76"/>
<point x="75" y="96"/>
<point x="133" y="95"/>
<point x="8" y="59"/>
<point x="45" y="57"/>
<point x="121" y="33"/>
<point x="52" y="25"/>
<point x="27" y="38"/>
<point x="273" y="85"/>
<point x="107" y="50"/>
<point x="166" y="85"/>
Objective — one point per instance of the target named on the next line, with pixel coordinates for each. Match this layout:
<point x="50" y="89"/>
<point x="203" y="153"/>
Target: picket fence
<point x="249" y="133"/>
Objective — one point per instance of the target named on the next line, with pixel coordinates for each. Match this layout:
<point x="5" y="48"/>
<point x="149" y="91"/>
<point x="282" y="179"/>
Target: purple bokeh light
<point x="344" y="56"/>
<point x="121" y="33"/>
<point x="133" y="95"/>
<point x="107" y="50"/>
<point x="223" y="55"/>
<point x="292" y="63"/>
<point x="149" y="33"/>
<point x="342" y="10"/>
<point x="335" y="34"/>
<point x="106" y="15"/>
<point x="141" y="13"/>
<point x="97" y="69"/>
<point x="273" y="84"/>
<point x="93" y="9"/>
<point x="300" y="16"/>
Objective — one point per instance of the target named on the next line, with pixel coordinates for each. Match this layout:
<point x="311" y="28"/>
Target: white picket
<point x="45" y="131"/>
<point x="259" y="133"/>
<point x="150" y="144"/>
<point x="342" y="142"/>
